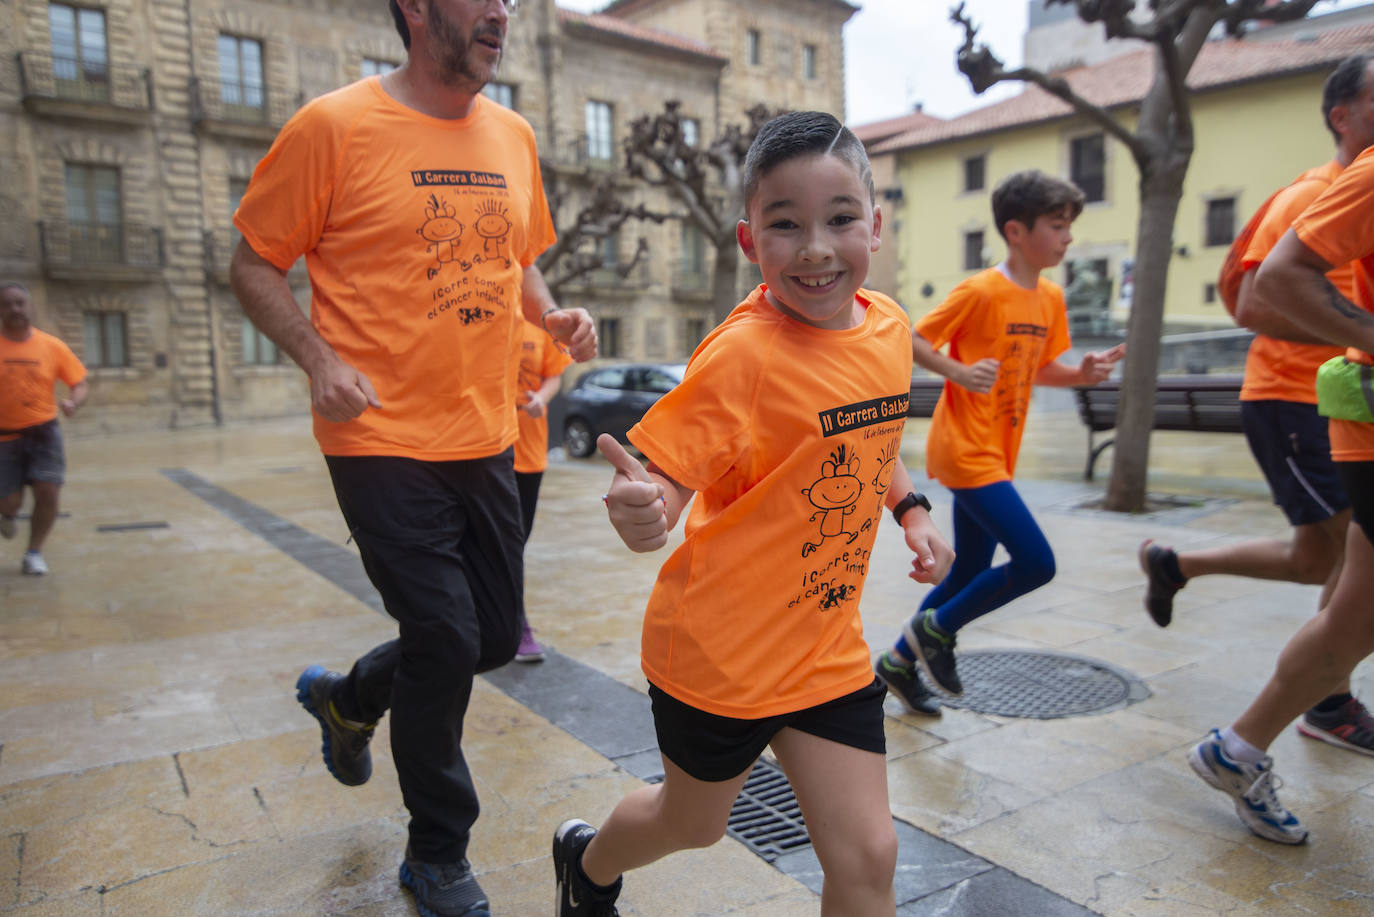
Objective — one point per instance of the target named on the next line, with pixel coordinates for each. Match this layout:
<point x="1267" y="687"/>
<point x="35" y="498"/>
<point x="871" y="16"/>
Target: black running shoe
<point x="444" y="890"/>
<point x="934" y="650"/>
<point x="345" y="743"/>
<point x="1349" y="726"/>
<point x="1160" y="586"/>
<point x="577" y="896"/>
<point x="904" y="681"/>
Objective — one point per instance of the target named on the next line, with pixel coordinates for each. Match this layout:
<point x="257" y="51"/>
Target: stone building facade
<point x="129" y="129"/>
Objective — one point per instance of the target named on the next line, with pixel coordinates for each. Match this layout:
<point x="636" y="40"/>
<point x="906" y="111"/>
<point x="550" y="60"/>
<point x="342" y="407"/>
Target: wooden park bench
<point x="1205" y="403"/>
<point x="925" y="394"/>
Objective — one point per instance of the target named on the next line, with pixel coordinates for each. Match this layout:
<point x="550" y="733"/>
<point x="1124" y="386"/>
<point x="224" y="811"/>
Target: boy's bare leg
<point x="843" y="796"/>
<point x="1308" y="558"/>
<point x="1322" y="654"/>
<point x="680" y="813"/>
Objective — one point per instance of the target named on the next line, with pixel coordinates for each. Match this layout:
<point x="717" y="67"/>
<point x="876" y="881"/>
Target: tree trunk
<point x="1161" y="189"/>
<point x="724" y="296"/>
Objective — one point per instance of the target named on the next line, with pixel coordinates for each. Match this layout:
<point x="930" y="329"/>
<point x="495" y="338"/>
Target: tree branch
<point x="984" y="70"/>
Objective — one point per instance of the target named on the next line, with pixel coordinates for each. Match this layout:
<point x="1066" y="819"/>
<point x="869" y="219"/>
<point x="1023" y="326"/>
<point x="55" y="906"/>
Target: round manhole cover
<point x="1042" y="685"/>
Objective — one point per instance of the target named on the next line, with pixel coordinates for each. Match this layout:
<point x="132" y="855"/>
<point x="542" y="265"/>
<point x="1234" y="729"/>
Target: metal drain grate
<point x="1042" y="685"/>
<point x="766" y="816"/>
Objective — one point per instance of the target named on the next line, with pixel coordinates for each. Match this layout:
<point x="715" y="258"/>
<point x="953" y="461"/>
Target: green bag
<point x="1345" y="390"/>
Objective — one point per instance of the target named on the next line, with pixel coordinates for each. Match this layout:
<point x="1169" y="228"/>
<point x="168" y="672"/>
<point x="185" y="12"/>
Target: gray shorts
<point x="35" y="455"/>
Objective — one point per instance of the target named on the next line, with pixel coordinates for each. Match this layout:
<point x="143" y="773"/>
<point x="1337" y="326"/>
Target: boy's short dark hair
<point x="1027" y="196"/>
<point x="401" y="28"/>
<point x="1343" y="85"/>
<point x="802" y="133"/>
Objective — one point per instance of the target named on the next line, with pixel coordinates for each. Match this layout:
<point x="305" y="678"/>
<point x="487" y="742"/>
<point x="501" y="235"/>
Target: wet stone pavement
<point x="153" y="759"/>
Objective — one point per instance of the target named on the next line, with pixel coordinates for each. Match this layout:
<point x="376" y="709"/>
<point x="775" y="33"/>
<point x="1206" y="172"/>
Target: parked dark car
<point x="611" y="400"/>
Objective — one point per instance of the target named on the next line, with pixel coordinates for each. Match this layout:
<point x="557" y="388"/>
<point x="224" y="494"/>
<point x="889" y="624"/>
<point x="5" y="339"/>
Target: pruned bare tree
<point x="1162" y="146"/>
<point x="706" y="180"/>
<point x="577" y="254"/>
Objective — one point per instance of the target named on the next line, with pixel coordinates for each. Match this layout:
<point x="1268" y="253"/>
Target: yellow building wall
<point x="1251" y="140"/>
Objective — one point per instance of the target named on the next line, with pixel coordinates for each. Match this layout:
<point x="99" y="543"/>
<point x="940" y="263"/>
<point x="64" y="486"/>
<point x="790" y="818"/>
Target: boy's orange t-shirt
<point x="974" y="438"/>
<point x="1339" y="226"/>
<point x="789" y="435"/>
<point x="28" y="370"/>
<point x="416" y="231"/>
<point x="1278" y="370"/>
<point x="540" y="358"/>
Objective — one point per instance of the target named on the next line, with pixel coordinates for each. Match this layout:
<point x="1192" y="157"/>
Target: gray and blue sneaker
<point x="345" y="742"/>
<point x="444" y="890"/>
<point x="934" y="650"/>
<point x="904" y="681"/>
<point x="1252" y="786"/>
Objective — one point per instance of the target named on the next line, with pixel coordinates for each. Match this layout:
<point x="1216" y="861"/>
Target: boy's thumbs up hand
<point x="635" y="500"/>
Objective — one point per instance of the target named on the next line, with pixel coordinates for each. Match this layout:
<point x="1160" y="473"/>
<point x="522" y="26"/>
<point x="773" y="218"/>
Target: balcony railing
<point x="83" y="85"/>
<point x="692" y="281"/>
<point x="100" y="250"/>
<point x="240" y="109"/>
<point x="581" y="152"/>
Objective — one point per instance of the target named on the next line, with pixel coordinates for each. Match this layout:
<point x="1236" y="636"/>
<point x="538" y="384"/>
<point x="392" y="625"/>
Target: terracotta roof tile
<point x="874" y="131"/>
<point x="1124" y="79"/>
<point x="620" y="28"/>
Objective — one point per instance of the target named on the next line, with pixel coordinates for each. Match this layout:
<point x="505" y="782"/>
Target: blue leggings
<point x="985" y="517"/>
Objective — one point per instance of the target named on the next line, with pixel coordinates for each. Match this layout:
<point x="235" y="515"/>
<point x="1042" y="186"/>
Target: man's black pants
<point x="443" y="544"/>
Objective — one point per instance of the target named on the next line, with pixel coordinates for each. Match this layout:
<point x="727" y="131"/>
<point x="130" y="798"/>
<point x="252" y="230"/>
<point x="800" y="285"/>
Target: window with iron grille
<point x="1221" y="220"/>
<point x="80" y="55"/>
<point x="94" y="213"/>
<point x="975" y="172"/>
<point x="809" y="62"/>
<point x="258" y="348"/>
<point x="502" y="94"/>
<point x="241" y="83"/>
<point x="600" y="133"/>
<point x="374" y="67"/>
<point x="1088" y="166"/>
<point x="608" y="335"/>
<point x="754" y="43"/>
<point x="103" y="335"/>
<point x="973" y="250"/>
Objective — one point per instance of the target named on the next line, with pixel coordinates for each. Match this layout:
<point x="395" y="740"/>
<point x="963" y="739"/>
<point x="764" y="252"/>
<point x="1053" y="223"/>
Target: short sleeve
<point x="1057" y="333"/>
<point x="942" y="324"/>
<point x="1339" y="225"/>
<point x="69" y="367"/>
<point x="698" y="431"/>
<point x="283" y="212"/>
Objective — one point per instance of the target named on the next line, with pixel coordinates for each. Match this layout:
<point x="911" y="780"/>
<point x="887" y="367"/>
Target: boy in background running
<point x="786" y="428"/>
<point x="1004" y="326"/>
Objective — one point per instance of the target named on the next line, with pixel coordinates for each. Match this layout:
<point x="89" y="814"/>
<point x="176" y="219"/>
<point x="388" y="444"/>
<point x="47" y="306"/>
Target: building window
<point x="1088" y="166"/>
<point x="240" y="72"/>
<point x="754" y="41"/>
<point x="374" y="67"/>
<point x="608" y="249"/>
<point x="608" y="335"/>
<point x="691" y="131"/>
<point x="1209" y="293"/>
<point x="809" y="62"/>
<point x="600" y="136"/>
<point x="502" y="94"/>
<point x="1221" y="220"/>
<point x="94" y="214"/>
<point x="104" y="336"/>
<point x="258" y="349"/>
<point x="973" y="250"/>
<point x="975" y="172"/>
<point x="693" y="251"/>
<point x="694" y="331"/>
<point x="80" y="59"/>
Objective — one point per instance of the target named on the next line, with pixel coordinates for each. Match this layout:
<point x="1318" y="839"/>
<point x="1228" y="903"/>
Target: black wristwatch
<point x="907" y="502"/>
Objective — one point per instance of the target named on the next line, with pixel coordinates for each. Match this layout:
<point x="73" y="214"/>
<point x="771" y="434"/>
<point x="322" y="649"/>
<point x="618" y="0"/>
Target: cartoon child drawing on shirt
<point x="442" y="231"/>
<point x="834" y="494"/>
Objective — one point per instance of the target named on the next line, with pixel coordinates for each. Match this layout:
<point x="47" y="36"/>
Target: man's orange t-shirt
<point x="416" y="231"/>
<point x="28" y="370"/>
<point x="789" y="434"/>
<point x="1278" y="370"/>
<point x="540" y="358"/>
<point x="974" y="438"/>
<point x="1339" y="226"/>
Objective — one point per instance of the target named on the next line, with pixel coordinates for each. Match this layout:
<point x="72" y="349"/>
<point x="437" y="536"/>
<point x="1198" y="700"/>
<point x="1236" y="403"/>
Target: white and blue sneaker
<point x="1252" y="786"/>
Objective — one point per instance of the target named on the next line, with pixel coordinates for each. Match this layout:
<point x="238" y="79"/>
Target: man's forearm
<point x="1292" y="282"/>
<point x="1257" y="313"/>
<point x="535" y="297"/>
<point x="266" y="299"/>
